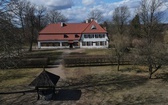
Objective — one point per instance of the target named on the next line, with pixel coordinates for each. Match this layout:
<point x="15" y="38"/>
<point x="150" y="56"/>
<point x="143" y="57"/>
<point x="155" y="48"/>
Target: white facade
<point x="86" y="41"/>
<point x="94" y="41"/>
<point x="56" y="44"/>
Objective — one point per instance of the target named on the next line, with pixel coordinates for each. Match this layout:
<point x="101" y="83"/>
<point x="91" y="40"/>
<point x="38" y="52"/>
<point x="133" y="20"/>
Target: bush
<point x="34" y="62"/>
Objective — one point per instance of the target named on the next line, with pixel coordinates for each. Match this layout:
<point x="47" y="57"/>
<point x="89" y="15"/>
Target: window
<point x="89" y="43"/>
<point x="76" y="44"/>
<point x="65" y="44"/>
<point x="91" y="36"/>
<point x="97" y="43"/>
<point x="100" y="36"/>
<point x="85" y="36"/>
<point x="101" y="43"/>
<point x="93" y="27"/>
<point x="56" y="44"/>
<point x="65" y="36"/>
<point x="103" y="35"/>
<point x="83" y="43"/>
<point x="96" y="36"/>
<point x="105" y="43"/>
<point x="76" y="36"/>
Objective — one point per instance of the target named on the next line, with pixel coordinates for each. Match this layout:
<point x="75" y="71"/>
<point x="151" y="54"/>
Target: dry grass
<point x="83" y="71"/>
<point x="100" y="87"/>
<point x="166" y="38"/>
<point x="16" y="79"/>
<point x="96" y="51"/>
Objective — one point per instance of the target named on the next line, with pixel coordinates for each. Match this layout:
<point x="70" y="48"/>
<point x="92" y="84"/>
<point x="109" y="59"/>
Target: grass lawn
<point x="53" y="55"/>
<point x="105" y="86"/>
<point x="100" y="85"/>
<point x="96" y="51"/>
<point x="129" y="86"/>
<point x="17" y="79"/>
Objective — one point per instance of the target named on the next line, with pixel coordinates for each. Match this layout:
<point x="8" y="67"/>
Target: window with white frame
<point x="84" y="43"/>
<point x="85" y="36"/>
<point x="76" y="44"/>
<point x="65" y="44"/>
<point x="101" y="43"/>
<point x="100" y="36"/>
<point x="97" y="43"/>
<point x="89" y="43"/>
<point x="91" y="36"/>
<point x="96" y="36"/>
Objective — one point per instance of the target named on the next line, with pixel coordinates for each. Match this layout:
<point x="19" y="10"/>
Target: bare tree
<point x="30" y="23"/>
<point x="120" y="19"/>
<point x="54" y="17"/>
<point x="120" y="44"/>
<point x="120" y="37"/>
<point x="153" y="50"/>
<point x="96" y="14"/>
<point x="9" y="39"/>
<point x="41" y="15"/>
<point x="135" y="27"/>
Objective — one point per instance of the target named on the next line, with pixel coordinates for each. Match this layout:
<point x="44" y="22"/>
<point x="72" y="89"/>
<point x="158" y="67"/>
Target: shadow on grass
<point x="163" y="76"/>
<point x="121" y="81"/>
<point x="137" y="70"/>
<point x="67" y="95"/>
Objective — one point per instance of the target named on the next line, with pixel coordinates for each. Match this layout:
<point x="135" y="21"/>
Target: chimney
<point x="96" y="21"/>
<point x="87" y="21"/>
<point x="62" y="24"/>
<point x="92" y="20"/>
<point x="105" y="28"/>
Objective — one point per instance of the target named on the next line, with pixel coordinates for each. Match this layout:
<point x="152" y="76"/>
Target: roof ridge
<point x="87" y="26"/>
<point x="48" y="77"/>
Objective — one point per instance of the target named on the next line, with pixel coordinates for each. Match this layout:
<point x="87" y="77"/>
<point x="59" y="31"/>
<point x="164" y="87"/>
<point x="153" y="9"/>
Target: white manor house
<point x="73" y="35"/>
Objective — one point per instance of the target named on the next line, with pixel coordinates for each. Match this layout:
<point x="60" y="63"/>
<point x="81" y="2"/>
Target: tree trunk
<point x="30" y="47"/>
<point x="150" y="71"/>
<point x="31" y="42"/>
<point x="118" y="64"/>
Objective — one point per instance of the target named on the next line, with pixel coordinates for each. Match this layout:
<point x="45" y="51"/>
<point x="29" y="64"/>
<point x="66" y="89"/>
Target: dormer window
<point x="76" y="36"/>
<point x="65" y="36"/>
<point x="93" y="27"/>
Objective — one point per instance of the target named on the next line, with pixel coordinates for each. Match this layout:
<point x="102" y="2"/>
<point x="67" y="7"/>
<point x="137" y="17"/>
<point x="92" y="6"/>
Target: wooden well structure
<point x="45" y="84"/>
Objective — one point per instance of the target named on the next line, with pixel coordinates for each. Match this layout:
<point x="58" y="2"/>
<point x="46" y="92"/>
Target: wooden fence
<point x="93" y="60"/>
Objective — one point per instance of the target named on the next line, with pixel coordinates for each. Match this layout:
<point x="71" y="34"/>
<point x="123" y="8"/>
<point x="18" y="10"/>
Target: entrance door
<point x="70" y="45"/>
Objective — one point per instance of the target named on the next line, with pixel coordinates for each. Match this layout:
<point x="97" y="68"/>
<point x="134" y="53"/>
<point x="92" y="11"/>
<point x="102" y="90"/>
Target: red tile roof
<point x="58" y="37"/>
<point x="56" y="31"/>
<point x="98" y="29"/>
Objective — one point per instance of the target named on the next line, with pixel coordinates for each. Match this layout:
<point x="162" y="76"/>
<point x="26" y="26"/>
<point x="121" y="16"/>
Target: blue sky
<point x="78" y="10"/>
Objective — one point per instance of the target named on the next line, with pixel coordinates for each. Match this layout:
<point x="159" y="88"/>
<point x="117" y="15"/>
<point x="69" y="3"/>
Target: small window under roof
<point x="65" y="36"/>
<point x="76" y="35"/>
<point x="93" y="27"/>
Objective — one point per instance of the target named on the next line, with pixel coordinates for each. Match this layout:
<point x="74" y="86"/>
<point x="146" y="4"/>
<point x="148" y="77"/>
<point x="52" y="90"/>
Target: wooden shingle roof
<point x="45" y="79"/>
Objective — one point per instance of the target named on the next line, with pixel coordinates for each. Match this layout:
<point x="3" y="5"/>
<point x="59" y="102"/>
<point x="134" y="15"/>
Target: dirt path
<point x="58" y="69"/>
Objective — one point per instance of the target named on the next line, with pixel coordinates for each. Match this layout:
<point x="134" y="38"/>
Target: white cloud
<point x="77" y="10"/>
<point x="57" y="4"/>
<point x="88" y="2"/>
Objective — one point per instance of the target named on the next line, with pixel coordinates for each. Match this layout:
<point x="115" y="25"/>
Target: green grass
<point x="13" y="78"/>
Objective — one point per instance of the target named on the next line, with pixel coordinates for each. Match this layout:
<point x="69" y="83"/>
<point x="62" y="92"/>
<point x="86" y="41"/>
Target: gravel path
<point x="58" y="69"/>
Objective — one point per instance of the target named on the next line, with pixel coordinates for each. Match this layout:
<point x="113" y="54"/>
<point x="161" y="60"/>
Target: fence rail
<point x="93" y="60"/>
